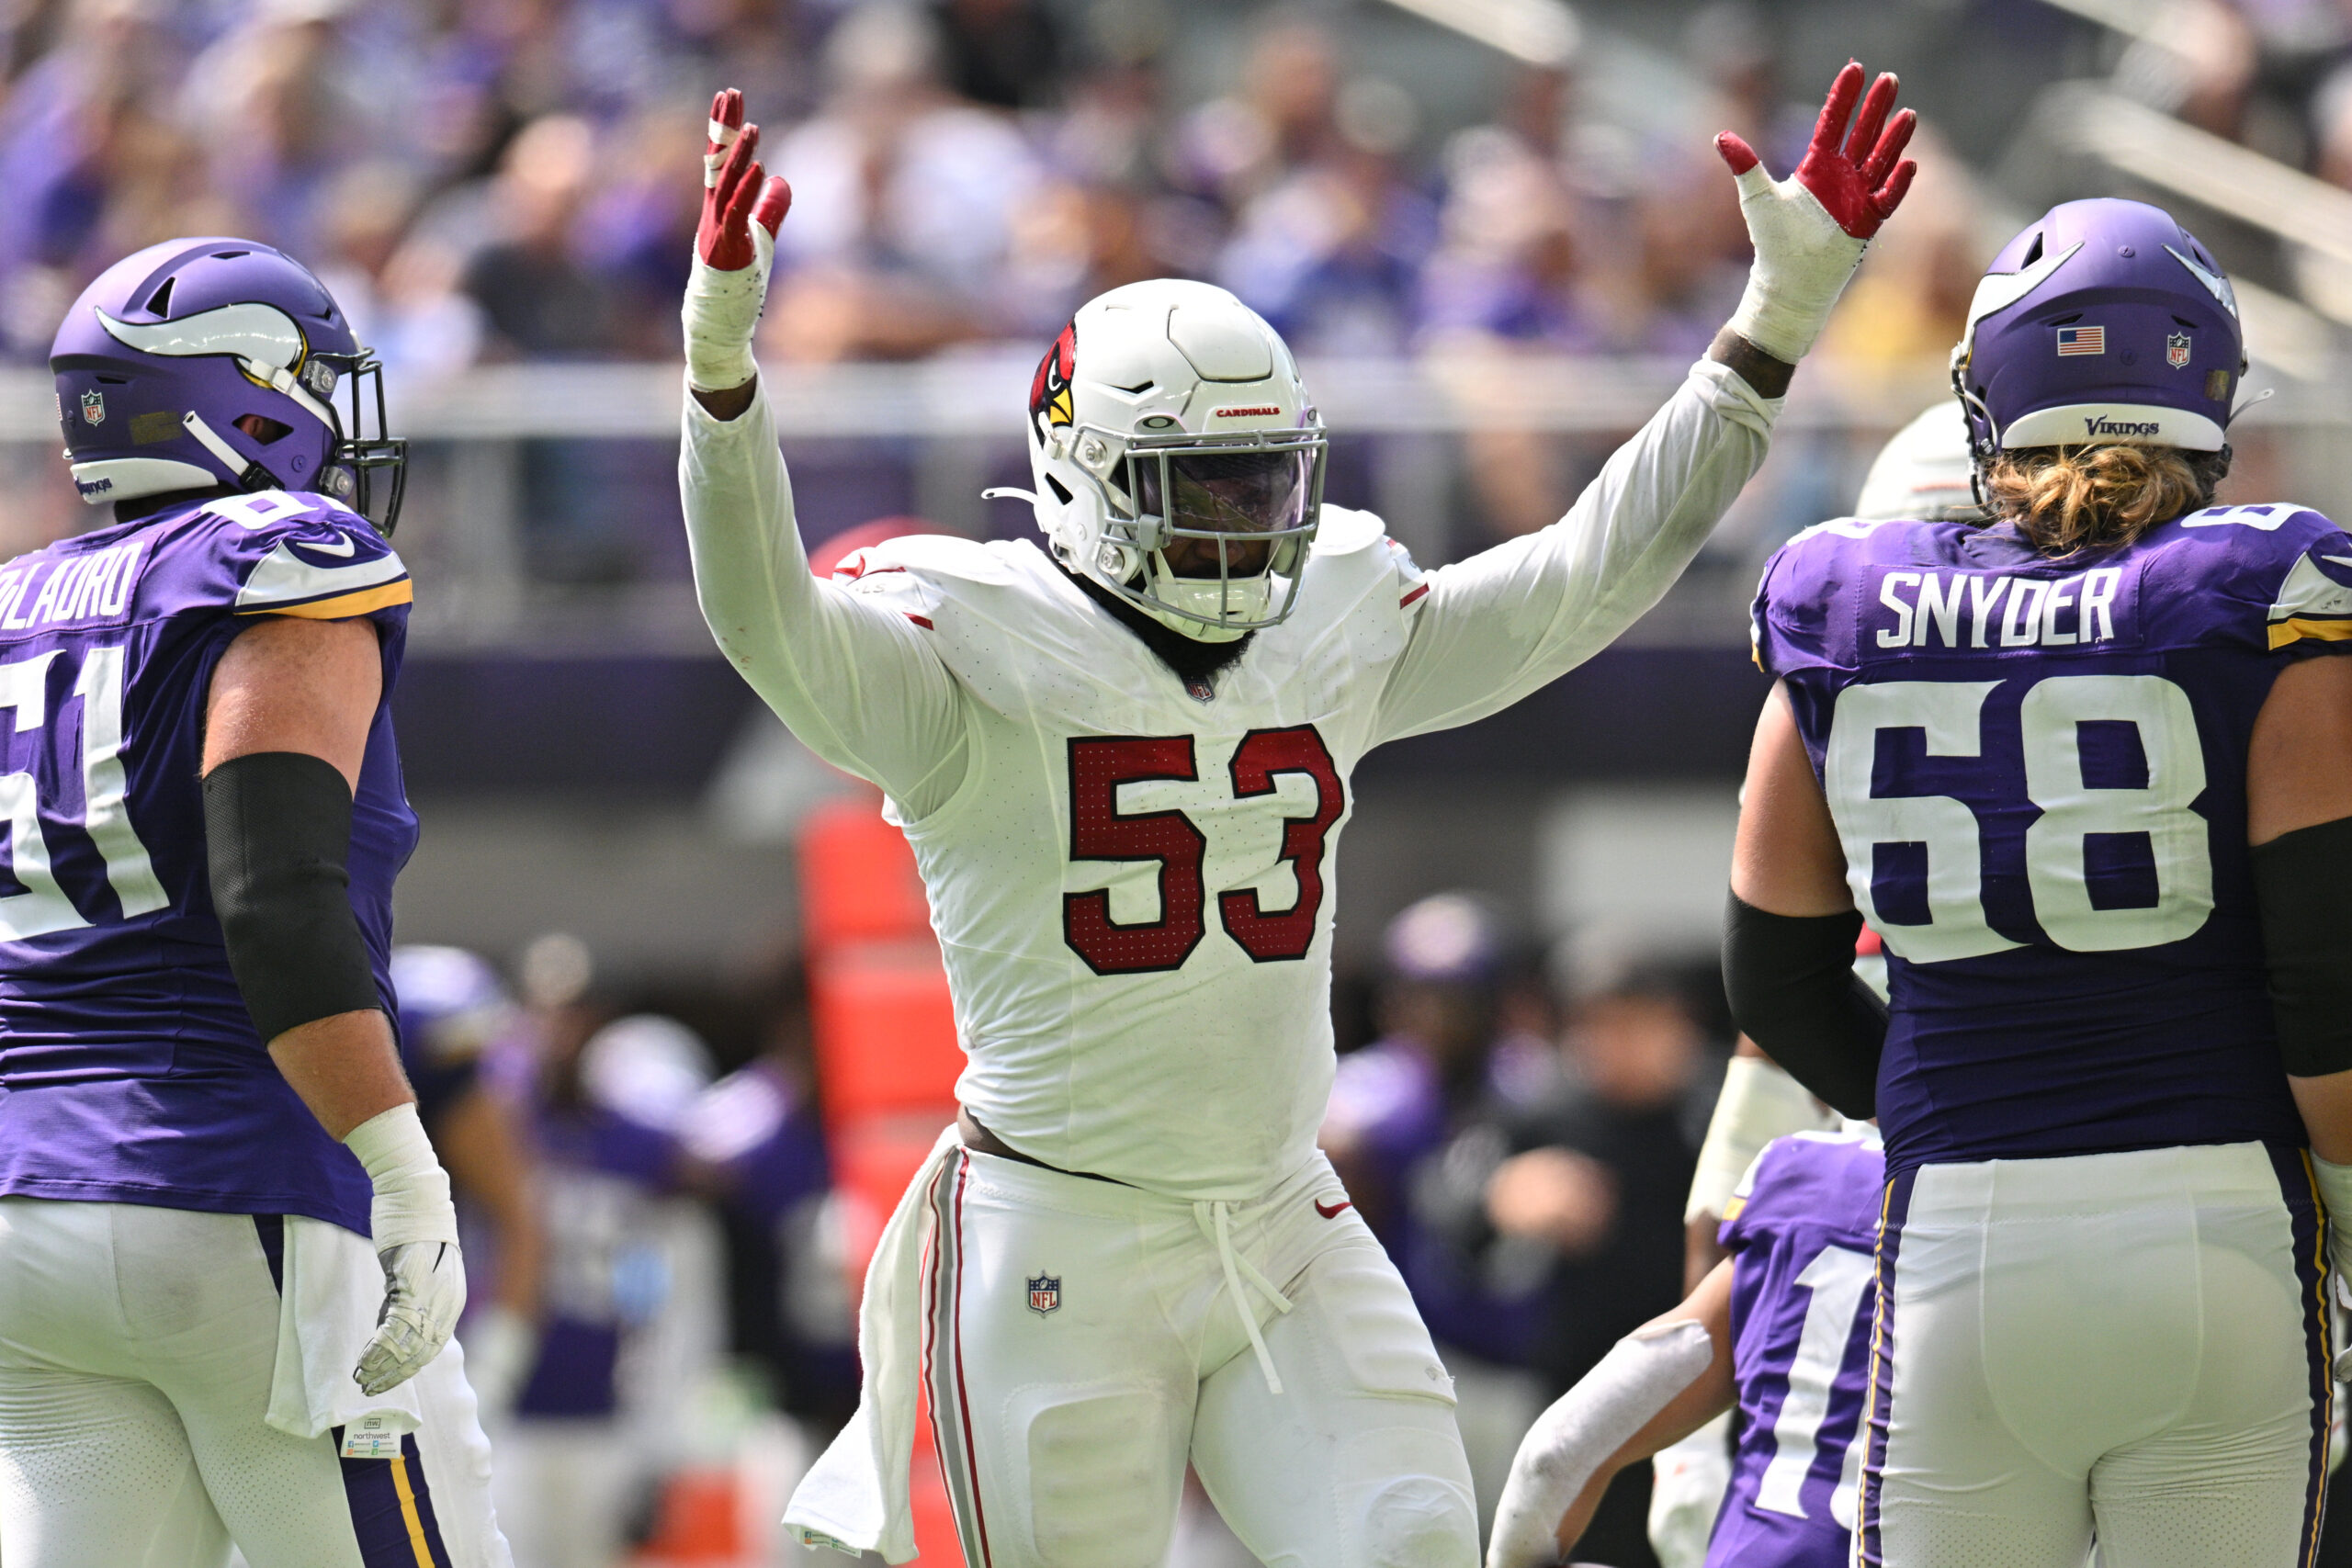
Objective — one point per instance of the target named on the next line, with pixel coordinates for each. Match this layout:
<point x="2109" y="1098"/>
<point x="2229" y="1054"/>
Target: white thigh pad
<point x="1105" y="1469"/>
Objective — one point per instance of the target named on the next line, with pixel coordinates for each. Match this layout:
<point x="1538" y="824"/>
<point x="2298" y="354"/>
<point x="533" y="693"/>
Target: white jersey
<point x="1132" y="880"/>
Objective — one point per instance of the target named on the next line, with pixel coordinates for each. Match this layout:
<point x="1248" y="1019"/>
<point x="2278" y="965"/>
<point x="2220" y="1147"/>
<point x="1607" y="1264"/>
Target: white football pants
<point x="2135" y="1342"/>
<point x="136" y="1349"/>
<point x="1081" y="1342"/>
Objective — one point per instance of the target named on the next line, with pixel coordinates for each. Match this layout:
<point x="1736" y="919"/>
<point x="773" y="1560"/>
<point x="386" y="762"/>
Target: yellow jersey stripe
<point x="343" y="606"/>
<point x="416" y="1540"/>
<point x="2294" y="628"/>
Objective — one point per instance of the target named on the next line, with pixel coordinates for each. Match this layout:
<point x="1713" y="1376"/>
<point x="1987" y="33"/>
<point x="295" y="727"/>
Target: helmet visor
<point x="1228" y="514"/>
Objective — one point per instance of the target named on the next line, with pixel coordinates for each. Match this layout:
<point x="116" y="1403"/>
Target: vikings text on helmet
<point x="2105" y="321"/>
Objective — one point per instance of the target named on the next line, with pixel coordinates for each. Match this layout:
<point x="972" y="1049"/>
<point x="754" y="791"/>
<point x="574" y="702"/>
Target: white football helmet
<point x="1179" y="461"/>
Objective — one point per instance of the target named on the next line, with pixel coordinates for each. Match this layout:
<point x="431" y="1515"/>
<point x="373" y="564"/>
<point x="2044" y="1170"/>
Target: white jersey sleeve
<point x="1495" y="628"/>
<point x="844" y="665"/>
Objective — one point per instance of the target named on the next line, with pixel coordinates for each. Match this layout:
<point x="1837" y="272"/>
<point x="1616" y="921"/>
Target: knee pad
<point x="1102" y="1480"/>
<point x="1420" y="1521"/>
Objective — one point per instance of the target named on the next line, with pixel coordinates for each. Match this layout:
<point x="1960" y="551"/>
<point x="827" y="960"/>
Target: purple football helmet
<point x="164" y="354"/>
<point x="2106" y="321"/>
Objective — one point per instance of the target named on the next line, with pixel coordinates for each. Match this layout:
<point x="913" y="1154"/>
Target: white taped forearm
<point x="722" y="314"/>
<point x="1802" y="260"/>
<point x="411" y="1201"/>
<point x="1758" y="1103"/>
<point x="1568" y="1444"/>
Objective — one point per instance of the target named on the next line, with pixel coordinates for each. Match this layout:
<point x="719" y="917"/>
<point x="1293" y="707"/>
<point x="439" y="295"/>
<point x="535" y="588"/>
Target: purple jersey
<point x="1801" y="1230"/>
<point x="2037" y="769"/>
<point x="129" y="1071"/>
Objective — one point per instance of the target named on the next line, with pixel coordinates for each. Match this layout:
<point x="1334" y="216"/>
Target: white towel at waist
<point x="855" y="1496"/>
<point x="331" y="1290"/>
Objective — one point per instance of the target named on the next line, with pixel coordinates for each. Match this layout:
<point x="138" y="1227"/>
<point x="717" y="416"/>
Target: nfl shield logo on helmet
<point x="1045" y="1294"/>
<point x="93" y="407"/>
<point x="2176" y="351"/>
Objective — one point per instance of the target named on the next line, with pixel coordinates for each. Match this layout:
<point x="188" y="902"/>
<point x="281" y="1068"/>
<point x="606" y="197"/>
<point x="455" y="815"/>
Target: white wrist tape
<point x="720" y="315"/>
<point x="1758" y="1103"/>
<point x="1802" y="260"/>
<point x="411" y="1190"/>
<point x="1570" y="1442"/>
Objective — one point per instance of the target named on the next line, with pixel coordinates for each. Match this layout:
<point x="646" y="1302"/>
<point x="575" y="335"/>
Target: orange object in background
<point x="884" y="1030"/>
<point x="857" y="878"/>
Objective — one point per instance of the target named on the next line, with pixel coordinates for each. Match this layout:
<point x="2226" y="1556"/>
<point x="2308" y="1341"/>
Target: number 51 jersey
<point x="2037" y="769"/>
<point x="129" y="1071"/>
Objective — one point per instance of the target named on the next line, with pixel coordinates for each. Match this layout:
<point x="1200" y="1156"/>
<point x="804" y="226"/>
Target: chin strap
<point x="251" y="475"/>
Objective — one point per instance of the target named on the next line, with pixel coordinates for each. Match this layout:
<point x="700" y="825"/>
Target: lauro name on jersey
<point x="75" y="589"/>
<point x="1952" y="609"/>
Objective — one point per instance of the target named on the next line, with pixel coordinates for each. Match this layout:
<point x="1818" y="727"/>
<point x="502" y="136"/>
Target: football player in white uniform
<point x="1122" y="764"/>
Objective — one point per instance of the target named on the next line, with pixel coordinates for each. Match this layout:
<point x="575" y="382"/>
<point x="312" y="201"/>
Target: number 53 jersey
<point x="2037" y="770"/>
<point x="129" y="1071"/>
<point x="1132" y="885"/>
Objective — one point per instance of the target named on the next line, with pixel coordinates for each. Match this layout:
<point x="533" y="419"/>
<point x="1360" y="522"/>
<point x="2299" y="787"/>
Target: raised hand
<point x="1809" y="229"/>
<point x="743" y="206"/>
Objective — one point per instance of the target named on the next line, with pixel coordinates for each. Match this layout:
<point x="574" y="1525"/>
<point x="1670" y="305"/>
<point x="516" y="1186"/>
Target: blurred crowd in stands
<point x="509" y="180"/>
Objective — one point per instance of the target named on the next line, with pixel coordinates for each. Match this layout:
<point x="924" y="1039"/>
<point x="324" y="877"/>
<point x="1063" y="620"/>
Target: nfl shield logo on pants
<point x="1045" y="1294"/>
<point x="2176" y="350"/>
<point x="93" y="407"/>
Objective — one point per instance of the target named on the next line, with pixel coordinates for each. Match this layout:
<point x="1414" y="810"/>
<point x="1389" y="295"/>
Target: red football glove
<point x="1860" y="192"/>
<point x="742" y="208"/>
<point x="1809" y="229"/>
<point x="737" y="192"/>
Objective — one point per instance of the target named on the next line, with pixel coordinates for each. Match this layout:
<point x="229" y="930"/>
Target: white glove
<point x="414" y="1226"/>
<point x="735" y="245"/>
<point x="1809" y="229"/>
<point x="1688" y="1492"/>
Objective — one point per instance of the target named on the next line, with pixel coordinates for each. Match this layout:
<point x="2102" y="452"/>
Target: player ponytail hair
<point x="2072" y="498"/>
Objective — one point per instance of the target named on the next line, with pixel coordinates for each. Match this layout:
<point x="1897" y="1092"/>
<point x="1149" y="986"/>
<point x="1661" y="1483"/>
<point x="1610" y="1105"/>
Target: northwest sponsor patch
<point x="2073" y="341"/>
<point x="1045" y="1294"/>
<point x="2176" y="351"/>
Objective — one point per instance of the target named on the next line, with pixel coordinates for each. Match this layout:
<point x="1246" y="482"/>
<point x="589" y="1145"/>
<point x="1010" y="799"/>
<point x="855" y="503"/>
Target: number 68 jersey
<point x="130" y="1070"/>
<point x="2037" y="770"/>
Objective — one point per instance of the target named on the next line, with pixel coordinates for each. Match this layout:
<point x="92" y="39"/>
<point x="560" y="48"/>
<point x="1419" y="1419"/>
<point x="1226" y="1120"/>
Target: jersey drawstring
<point x="1213" y="1220"/>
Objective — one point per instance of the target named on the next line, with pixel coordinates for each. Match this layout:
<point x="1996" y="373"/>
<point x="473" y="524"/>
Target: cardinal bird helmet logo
<point x="1049" y="393"/>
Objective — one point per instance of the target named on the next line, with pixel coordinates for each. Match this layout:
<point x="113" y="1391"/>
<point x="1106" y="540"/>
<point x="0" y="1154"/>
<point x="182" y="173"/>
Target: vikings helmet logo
<point x="1049" y="393"/>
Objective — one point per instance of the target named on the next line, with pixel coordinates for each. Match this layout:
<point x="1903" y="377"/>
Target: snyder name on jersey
<point x="1133" y="883"/>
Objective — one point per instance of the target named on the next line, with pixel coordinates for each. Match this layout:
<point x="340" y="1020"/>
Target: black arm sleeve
<point x="2299" y="881"/>
<point x="277" y="829"/>
<point x="1791" y="982"/>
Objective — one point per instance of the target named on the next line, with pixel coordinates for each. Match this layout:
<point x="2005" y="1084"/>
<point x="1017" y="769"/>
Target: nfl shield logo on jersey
<point x="2176" y="350"/>
<point x="93" y="407"/>
<point x="1045" y="1294"/>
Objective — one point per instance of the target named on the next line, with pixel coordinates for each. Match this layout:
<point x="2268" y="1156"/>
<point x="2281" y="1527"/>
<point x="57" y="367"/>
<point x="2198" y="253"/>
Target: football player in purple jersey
<point x="2087" y="772"/>
<point x="1780" y="1329"/>
<point x="229" y="1264"/>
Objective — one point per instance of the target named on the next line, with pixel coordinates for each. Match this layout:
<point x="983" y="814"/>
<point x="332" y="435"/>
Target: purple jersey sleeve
<point x="1800" y="1230"/>
<point x="2037" y="769"/>
<point x="129" y="1071"/>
